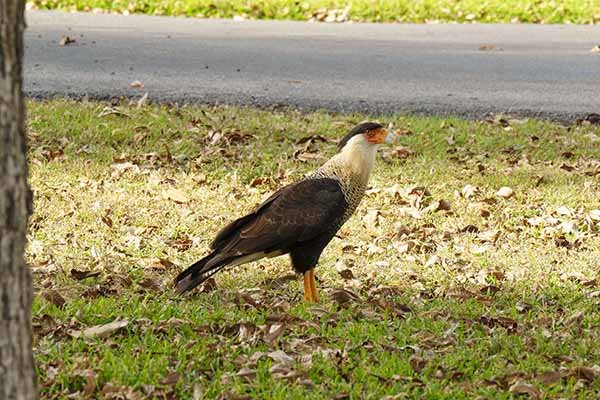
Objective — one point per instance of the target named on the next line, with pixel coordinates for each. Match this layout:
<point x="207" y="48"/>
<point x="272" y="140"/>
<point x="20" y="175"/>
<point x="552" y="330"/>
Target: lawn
<point x="471" y="268"/>
<point x="531" y="11"/>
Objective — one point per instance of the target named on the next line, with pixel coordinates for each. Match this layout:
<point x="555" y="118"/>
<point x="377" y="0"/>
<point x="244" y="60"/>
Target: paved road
<point x="534" y="70"/>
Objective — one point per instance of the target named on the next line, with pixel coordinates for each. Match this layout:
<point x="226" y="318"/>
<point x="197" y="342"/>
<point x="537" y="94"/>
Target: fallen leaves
<point x="273" y="334"/>
<point x="66" y="40"/>
<point x="509" y="324"/>
<point x="112" y="111"/>
<point x="505" y="192"/>
<point x="325" y="14"/>
<point x="525" y="388"/>
<point x="469" y="191"/>
<point x="417" y="363"/>
<point x="342" y="297"/>
<point x="176" y="195"/>
<point x="171" y="379"/>
<point x="308" y="149"/>
<point x="444" y="205"/>
<point x="54" y="297"/>
<point x="421" y="274"/>
<point x="101" y="331"/>
<point x="81" y="275"/>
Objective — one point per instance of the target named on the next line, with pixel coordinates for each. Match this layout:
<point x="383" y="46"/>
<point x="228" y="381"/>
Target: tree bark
<point x="17" y="371"/>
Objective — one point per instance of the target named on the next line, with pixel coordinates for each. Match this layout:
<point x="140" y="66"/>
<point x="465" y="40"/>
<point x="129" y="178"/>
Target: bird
<point x="299" y="219"/>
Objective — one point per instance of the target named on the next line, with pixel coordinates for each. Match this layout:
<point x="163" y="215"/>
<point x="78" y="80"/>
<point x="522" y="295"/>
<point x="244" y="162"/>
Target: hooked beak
<point x="390" y="137"/>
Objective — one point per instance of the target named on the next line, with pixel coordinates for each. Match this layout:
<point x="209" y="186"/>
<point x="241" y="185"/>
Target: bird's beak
<point x="390" y="137"/>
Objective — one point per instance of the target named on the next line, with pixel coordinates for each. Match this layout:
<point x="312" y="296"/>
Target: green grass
<point x="531" y="11"/>
<point x="442" y="312"/>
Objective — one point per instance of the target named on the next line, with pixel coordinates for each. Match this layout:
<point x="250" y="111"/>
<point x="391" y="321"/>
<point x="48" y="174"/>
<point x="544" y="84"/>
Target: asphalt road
<point x="472" y="71"/>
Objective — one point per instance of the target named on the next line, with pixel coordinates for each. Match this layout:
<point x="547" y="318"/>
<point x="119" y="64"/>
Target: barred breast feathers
<point x="351" y="167"/>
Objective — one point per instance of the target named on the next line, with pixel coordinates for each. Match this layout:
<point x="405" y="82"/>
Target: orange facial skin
<point x="376" y="136"/>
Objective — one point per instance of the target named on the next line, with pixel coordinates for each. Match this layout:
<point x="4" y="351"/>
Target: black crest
<point x="358" y="130"/>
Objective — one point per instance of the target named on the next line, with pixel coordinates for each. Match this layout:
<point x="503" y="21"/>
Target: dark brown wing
<point x="292" y="216"/>
<point x="226" y="232"/>
<point x="296" y="213"/>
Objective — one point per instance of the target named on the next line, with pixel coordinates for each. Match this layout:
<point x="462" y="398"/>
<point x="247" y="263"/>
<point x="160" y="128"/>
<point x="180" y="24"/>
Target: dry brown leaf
<point x="176" y="195"/>
<point x="66" y="40"/>
<point x="54" y="297"/>
<point x="314" y="138"/>
<point x="469" y="229"/>
<point x="305" y="156"/>
<point x="417" y="363"/>
<point x="535" y="221"/>
<point x="124" y="166"/>
<point x="258" y="181"/>
<point x="468" y="191"/>
<point x="101" y="331"/>
<point x="181" y="244"/>
<point x="594" y="215"/>
<point x="246" y="373"/>
<point x="142" y="101"/>
<point x="107" y="220"/>
<point x="159" y="263"/>
<point x="562" y="241"/>
<point x="112" y="111"/>
<point x="509" y="324"/>
<point x="273" y="334"/>
<point x="149" y="283"/>
<point x="505" y="192"/>
<point x="91" y="381"/>
<point x="550" y="377"/>
<point x="110" y="391"/>
<point x="401" y="152"/>
<point x="444" y="205"/>
<point x="480" y="249"/>
<point x="523" y="307"/>
<point x="525" y="388"/>
<point x="346" y="274"/>
<point x="342" y="296"/>
<point x="587" y="373"/>
<point x="564" y="211"/>
<point x="246" y="298"/>
<point x="81" y="275"/>
<point x="171" y="379"/>
<point x="372" y="219"/>
<point x="209" y="285"/>
<point x="490" y="236"/>
<point x="281" y="357"/>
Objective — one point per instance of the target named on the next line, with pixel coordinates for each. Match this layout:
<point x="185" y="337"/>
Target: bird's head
<point x="358" y="148"/>
<point x="367" y="134"/>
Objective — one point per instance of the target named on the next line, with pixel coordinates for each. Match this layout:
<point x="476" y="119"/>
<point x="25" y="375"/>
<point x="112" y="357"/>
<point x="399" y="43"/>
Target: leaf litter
<point x="409" y="246"/>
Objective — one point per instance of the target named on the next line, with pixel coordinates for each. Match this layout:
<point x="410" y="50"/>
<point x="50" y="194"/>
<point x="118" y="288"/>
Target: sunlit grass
<point x="508" y="11"/>
<point x="441" y="312"/>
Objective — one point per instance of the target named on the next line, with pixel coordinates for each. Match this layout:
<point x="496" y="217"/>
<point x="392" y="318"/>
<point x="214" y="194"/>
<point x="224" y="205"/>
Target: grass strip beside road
<point x="464" y="11"/>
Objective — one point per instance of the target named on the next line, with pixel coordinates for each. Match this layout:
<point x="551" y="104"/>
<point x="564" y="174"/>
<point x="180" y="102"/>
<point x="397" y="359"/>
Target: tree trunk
<point x="17" y="372"/>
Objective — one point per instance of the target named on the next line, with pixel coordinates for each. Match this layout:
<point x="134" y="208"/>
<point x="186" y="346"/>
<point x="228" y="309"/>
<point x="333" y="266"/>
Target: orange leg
<point x="310" y="287"/>
<point x="313" y="285"/>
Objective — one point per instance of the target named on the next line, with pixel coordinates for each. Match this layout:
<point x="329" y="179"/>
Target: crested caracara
<point x="299" y="219"/>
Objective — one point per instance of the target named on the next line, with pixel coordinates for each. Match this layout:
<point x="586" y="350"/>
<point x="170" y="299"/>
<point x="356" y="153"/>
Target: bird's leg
<point x="310" y="287"/>
<point x="313" y="285"/>
<point x="307" y="289"/>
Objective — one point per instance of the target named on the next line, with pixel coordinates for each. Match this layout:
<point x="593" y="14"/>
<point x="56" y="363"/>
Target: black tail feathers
<point x="198" y="272"/>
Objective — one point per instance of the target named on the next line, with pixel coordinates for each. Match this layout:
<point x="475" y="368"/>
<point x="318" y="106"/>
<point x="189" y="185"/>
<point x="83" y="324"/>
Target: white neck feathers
<point x="357" y="157"/>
